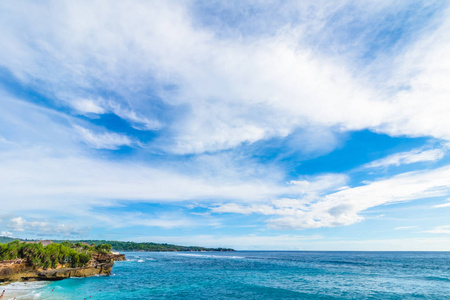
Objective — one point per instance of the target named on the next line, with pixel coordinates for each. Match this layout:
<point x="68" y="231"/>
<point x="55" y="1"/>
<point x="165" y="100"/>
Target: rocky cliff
<point x="22" y="270"/>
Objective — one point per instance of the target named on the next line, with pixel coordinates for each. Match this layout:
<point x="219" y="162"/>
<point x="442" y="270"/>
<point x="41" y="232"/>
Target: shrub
<point x="104" y="248"/>
<point x="51" y="255"/>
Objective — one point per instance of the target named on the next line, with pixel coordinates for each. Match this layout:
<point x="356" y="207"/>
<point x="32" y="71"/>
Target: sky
<point x="256" y="125"/>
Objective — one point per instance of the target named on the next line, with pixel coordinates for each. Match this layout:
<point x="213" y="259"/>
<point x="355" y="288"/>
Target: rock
<point x="21" y="270"/>
<point x="119" y="257"/>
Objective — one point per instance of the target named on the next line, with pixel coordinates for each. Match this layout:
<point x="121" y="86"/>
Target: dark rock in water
<point x="119" y="257"/>
<point x="22" y="270"/>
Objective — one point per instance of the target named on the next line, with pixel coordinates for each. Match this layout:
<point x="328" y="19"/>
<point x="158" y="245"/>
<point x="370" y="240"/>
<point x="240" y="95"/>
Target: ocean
<point x="258" y="275"/>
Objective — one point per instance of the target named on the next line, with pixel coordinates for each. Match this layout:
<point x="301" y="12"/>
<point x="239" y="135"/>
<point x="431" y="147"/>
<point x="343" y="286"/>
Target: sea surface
<point x="259" y="275"/>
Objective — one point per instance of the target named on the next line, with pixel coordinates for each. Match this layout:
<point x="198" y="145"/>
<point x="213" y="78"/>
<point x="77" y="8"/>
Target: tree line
<point x="64" y="253"/>
<point x="132" y="246"/>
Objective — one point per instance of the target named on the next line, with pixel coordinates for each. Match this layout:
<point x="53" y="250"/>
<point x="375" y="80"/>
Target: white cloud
<point x="52" y="171"/>
<point x="410" y="157"/>
<point x="19" y="225"/>
<point x="62" y="177"/>
<point x="446" y="204"/>
<point x="440" y="230"/>
<point x="88" y="106"/>
<point x="166" y="223"/>
<point x="405" y="227"/>
<point x="344" y="207"/>
<point x="423" y="70"/>
<point x="6" y="233"/>
<point x="234" y="91"/>
<point x="63" y="181"/>
<point x="137" y="121"/>
<point x="246" y="210"/>
<point x="108" y="140"/>
<point x="309" y="190"/>
<point x="165" y="220"/>
<point x="311" y="187"/>
<point x="101" y="106"/>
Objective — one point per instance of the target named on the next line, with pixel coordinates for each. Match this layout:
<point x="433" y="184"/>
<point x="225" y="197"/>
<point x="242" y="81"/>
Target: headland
<point x="45" y="260"/>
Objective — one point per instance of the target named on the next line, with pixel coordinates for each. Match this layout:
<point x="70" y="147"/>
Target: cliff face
<point x="119" y="257"/>
<point x="21" y="270"/>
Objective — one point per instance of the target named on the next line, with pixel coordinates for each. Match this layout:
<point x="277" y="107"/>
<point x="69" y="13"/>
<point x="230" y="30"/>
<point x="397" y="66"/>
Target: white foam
<point x="211" y="256"/>
<point x="25" y="285"/>
<point x="24" y="290"/>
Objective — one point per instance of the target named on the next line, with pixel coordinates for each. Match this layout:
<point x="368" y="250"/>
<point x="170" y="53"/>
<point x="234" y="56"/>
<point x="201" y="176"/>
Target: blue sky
<point x="312" y="125"/>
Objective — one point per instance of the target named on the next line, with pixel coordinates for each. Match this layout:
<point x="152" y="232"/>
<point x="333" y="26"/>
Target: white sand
<point x="21" y="290"/>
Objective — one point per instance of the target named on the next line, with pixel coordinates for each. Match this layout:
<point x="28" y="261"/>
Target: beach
<point x="22" y="290"/>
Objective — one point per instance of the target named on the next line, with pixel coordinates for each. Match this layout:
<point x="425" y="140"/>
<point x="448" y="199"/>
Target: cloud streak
<point x="110" y="141"/>
<point x="409" y="157"/>
<point x="445" y="229"/>
<point x="446" y="204"/>
<point x="344" y="207"/>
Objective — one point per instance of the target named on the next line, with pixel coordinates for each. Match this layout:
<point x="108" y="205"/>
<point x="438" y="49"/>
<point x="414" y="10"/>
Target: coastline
<point x="23" y="290"/>
<point x="22" y="271"/>
<point x="48" y="261"/>
<point x="257" y="275"/>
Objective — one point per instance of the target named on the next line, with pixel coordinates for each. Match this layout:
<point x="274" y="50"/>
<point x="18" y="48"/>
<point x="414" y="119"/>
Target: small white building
<point x="45" y="242"/>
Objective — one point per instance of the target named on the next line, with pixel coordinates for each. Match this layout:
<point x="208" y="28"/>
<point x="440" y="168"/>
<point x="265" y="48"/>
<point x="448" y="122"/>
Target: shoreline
<point x="23" y="290"/>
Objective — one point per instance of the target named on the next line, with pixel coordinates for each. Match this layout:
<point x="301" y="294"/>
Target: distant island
<point x="132" y="246"/>
<point x="46" y="260"/>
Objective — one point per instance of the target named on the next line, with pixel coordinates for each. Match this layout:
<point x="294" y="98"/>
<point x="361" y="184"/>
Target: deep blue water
<point x="266" y="275"/>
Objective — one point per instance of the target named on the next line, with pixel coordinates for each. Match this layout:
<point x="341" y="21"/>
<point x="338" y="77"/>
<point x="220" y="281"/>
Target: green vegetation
<point x="106" y="246"/>
<point x="132" y="246"/>
<point x="64" y="253"/>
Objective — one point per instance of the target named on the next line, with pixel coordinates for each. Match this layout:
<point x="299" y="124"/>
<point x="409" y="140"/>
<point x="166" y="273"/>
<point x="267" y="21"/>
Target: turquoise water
<point x="266" y="275"/>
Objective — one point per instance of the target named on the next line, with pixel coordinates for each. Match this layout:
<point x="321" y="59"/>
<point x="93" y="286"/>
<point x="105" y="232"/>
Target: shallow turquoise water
<point x="266" y="275"/>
